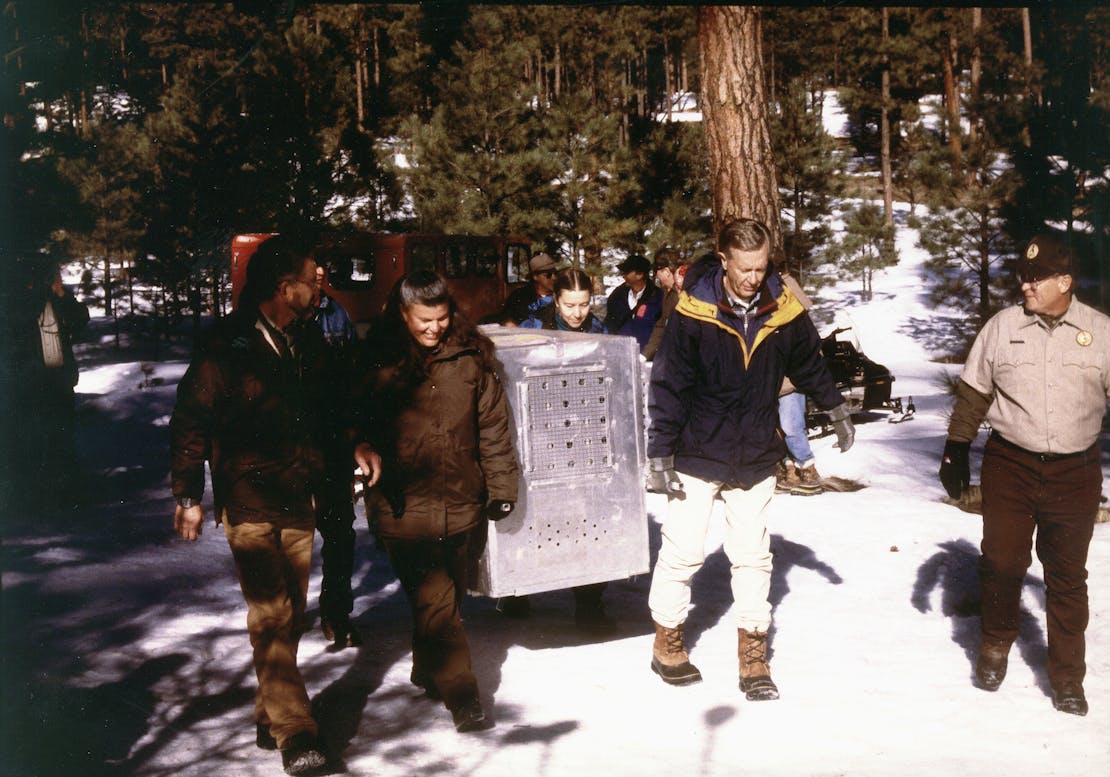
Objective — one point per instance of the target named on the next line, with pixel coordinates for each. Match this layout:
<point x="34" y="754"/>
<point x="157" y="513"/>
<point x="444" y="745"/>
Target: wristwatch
<point x="187" y="502"/>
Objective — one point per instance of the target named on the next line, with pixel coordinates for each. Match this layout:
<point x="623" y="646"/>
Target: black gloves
<point x="662" y="479"/>
<point x="842" y="425"/>
<point x="499" y="508"/>
<point x="955" y="472"/>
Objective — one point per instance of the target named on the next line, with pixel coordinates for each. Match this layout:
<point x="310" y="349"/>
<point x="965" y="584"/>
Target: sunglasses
<point x="1033" y="278"/>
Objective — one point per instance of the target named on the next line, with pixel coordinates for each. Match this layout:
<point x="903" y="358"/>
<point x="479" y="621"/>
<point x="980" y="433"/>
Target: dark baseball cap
<point x="1044" y="255"/>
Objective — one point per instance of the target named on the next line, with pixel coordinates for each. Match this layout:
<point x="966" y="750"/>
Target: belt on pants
<point x="1034" y="454"/>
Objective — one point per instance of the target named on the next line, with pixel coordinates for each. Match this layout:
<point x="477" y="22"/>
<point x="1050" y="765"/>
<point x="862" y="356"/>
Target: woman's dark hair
<point x="395" y="343"/>
<point x="572" y="279"/>
<point x="275" y="260"/>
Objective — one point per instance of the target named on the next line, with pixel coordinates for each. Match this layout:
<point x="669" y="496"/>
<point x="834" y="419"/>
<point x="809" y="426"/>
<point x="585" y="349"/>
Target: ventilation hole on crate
<point x="570" y="443"/>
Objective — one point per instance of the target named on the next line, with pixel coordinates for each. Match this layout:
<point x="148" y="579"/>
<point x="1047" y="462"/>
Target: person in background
<point x="253" y="403"/>
<point x="737" y="331"/>
<point x="335" y="514"/>
<point x="680" y="276"/>
<point x="635" y="305"/>
<point x="44" y="319"/>
<point x="666" y="268"/>
<point x="797" y="472"/>
<point x="570" y="312"/>
<point x="435" y="407"/>
<point x="528" y="299"/>
<point x="1040" y="374"/>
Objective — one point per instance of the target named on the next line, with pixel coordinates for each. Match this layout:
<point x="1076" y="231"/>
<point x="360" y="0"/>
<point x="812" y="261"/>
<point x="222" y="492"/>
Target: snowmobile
<point x="865" y="384"/>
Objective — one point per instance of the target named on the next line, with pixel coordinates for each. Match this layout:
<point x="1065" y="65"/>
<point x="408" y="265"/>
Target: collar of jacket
<point x="449" y="350"/>
<point x="704" y="302"/>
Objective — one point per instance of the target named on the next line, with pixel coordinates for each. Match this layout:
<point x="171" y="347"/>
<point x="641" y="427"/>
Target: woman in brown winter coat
<point x="437" y="414"/>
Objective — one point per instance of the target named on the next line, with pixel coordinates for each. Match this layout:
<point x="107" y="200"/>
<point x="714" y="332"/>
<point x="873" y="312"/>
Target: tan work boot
<point x="785" y="477"/>
<point x="669" y="658"/>
<point x="755" y="672"/>
<point x="806" y="482"/>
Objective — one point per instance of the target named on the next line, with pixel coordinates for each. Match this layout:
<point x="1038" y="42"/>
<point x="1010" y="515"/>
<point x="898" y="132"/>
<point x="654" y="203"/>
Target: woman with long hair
<point x="569" y="311"/>
<point x="436" y="412"/>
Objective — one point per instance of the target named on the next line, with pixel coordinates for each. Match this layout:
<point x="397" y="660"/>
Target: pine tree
<point x="865" y="245"/>
<point x="809" y="169"/>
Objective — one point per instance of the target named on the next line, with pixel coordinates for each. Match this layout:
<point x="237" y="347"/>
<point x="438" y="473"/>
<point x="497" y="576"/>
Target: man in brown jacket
<point x="252" y="405"/>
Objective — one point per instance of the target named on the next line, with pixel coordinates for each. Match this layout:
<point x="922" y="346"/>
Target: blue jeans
<point x="792" y="420"/>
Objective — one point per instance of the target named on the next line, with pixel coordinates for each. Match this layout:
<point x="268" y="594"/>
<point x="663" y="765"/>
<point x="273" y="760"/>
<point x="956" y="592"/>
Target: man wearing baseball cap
<point x="1040" y="373"/>
<point x="528" y="299"/>
<point x="635" y="305"/>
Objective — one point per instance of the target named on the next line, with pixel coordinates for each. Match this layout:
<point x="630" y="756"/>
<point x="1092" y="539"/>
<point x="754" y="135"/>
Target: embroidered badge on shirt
<point x="1084" y="338"/>
<point x="1032" y="251"/>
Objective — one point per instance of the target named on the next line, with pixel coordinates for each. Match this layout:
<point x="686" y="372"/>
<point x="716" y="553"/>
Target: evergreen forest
<point x="138" y="138"/>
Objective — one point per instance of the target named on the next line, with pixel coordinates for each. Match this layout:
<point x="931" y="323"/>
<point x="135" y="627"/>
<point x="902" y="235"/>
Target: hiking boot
<point x="990" y="668"/>
<point x="1070" y="699"/>
<point x="514" y="606"/>
<point x="807" y="481"/>
<point x="785" y="477"/>
<point x="302" y="755"/>
<point x="755" y="672"/>
<point x="340" y="632"/>
<point x="669" y="658"/>
<point x="263" y="738"/>
<point x="470" y="717"/>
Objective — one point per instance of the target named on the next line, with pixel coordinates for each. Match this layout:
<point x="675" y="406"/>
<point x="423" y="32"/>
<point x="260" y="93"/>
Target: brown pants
<point x="273" y="569"/>
<point x="1059" y="499"/>
<point x="433" y="574"/>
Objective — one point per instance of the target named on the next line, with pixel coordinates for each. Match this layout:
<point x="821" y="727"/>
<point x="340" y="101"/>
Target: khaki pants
<point x="273" y="569"/>
<point x="747" y="544"/>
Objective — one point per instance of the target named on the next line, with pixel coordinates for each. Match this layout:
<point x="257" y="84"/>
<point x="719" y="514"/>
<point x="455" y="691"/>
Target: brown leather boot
<point x="785" y="477"/>
<point x="755" y="672"/>
<point x="669" y="658"/>
<point x="807" y="481"/>
<point x="990" y="668"/>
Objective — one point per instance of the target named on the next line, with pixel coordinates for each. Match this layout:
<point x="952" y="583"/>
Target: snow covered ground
<point x="126" y="652"/>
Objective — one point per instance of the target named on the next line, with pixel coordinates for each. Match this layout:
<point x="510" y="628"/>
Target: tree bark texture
<point x="735" y="118"/>
<point x="884" y="154"/>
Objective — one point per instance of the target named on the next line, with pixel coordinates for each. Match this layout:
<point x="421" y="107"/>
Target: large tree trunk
<point x="735" y="118"/>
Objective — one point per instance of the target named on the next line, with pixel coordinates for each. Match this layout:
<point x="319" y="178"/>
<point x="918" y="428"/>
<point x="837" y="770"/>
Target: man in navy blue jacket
<point x="736" y="332"/>
<point x="635" y="305"/>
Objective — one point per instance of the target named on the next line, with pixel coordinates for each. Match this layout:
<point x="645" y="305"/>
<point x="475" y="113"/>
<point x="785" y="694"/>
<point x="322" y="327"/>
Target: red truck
<point x="361" y="269"/>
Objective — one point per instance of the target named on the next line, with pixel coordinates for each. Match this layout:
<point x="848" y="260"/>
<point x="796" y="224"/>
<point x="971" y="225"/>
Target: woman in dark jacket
<point x="438" y="416"/>
<point x="569" y="312"/>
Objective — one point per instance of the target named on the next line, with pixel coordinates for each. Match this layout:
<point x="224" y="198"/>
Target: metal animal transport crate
<point x="578" y="414"/>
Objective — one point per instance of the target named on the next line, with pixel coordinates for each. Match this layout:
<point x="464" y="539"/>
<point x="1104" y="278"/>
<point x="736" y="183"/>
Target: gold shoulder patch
<point x="1084" y="338"/>
<point x="1032" y="251"/>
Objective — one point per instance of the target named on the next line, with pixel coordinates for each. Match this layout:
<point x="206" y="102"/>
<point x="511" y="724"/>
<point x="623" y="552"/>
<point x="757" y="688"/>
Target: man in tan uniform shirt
<point x="1040" y="373"/>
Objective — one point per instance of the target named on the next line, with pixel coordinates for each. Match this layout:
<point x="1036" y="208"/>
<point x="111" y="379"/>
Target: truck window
<point x="423" y="257"/>
<point x="485" y="261"/>
<point x="454" y="262"/>
<point x="518" y="256"/>
<point x="350" y="273"/>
